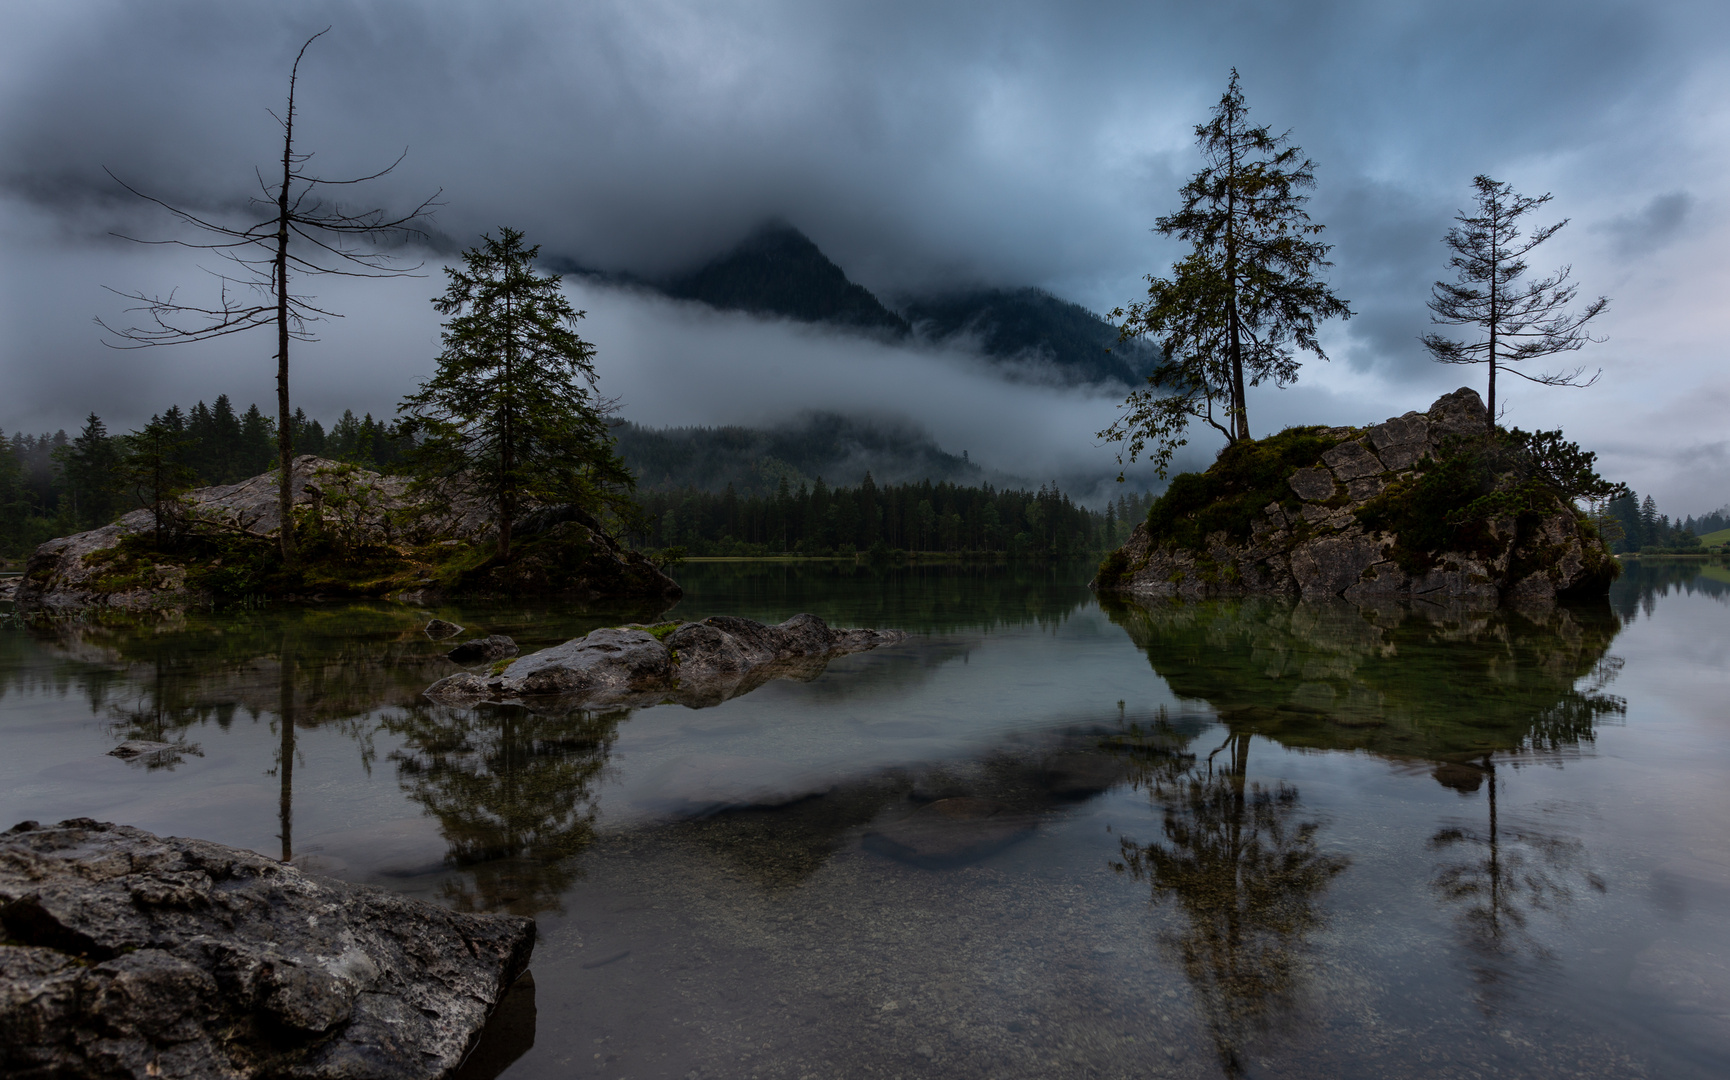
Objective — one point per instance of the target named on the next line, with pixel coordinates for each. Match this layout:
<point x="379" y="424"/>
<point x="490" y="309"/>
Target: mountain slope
<point x="755" y="460"/>
<point x="1032" y="324"/>
<point x="778" y="271"/>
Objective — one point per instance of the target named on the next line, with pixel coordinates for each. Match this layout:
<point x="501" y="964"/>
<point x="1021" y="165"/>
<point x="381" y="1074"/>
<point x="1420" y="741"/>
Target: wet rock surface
<point x="696" y="664"/>
<point x="132" y="955"/>
<point x="439" y="629"/>
<point x="483" y="650"/>
<point x="1321" y="549"/>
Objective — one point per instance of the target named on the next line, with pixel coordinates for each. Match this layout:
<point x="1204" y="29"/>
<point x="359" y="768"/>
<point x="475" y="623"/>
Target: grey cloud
<point x="1022" y="142"/>
<point x="1652" y="226"/>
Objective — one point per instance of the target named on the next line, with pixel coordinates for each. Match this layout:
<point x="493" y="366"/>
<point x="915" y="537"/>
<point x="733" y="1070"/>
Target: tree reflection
<point x="1245" y="872"/>
<point x="1499" y="877"/>
<point x="1470" y="691"/>
<point x="514" y="792"/>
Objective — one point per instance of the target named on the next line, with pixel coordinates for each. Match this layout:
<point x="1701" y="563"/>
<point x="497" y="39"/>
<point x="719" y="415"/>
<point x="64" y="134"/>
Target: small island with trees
<point x="1445" y="504"/>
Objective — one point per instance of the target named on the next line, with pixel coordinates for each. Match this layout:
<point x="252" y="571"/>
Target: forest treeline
<point x="54" y="484"/>
<point x="1635" y="525"/>
<point x="923" y="516"/>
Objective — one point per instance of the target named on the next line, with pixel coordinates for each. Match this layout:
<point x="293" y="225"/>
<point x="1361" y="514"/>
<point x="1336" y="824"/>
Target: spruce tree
<point x="512" y="410"/>
<point x="1517" y="320"/>
<point x="1248" y="295"/>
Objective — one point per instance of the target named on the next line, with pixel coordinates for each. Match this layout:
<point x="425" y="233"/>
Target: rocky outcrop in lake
<point x="132" y="955"/>
<point x="694" y="663"/>
<point x="362" y="534"/>
<point x="1425" y="506"/>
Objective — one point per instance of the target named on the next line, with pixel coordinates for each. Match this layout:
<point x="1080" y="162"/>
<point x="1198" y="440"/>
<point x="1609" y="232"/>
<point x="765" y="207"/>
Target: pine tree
<point x="1236" y="309"/>
<point x="513" y="406"/>
<point x="89" y="465"/>
<point x="1518" y="320"/>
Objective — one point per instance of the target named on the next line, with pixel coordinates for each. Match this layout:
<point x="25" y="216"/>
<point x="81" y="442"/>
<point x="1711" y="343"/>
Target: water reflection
<point x="514" y="794"/>
<point x="1245" y="871"/>
<point x="1403" y="681"/>
<point x="1645" y="580"/>
<point x="1498" y="877"/>
<point x="1470" y="691"/>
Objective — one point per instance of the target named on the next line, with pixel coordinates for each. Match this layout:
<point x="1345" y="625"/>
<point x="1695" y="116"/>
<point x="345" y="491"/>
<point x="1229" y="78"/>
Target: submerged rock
<point x="483" y="650"/>
<point x="951" y="831"/>
<point x="439" y="629"/>
<point x="133" y="955"/>
<point x="699" y="663"/>
<point x="1348" y="512"/>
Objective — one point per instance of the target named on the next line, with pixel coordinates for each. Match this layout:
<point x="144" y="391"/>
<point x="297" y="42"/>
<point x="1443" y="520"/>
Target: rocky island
<point x="1430" y="505"/>
<point x="362" y="534"/>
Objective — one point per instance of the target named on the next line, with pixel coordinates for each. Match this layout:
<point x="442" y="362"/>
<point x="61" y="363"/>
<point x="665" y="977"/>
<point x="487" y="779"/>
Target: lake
<point x="1043" y="837"/>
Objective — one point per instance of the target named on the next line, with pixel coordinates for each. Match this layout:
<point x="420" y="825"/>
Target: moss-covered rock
<point x="1423" y="505"/>
<point x="361" y="534"/>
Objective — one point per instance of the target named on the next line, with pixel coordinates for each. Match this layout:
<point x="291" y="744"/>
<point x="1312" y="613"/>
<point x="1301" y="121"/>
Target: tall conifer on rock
<point x="512" y="411"/>
<point x="1517" y="320"/>
<point x="1248" y="295"/>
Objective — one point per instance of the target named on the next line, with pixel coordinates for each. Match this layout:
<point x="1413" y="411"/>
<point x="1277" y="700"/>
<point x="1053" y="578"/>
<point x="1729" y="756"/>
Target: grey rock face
<point x="699" y="663"/>
<point x="133" y="955"/>
<point x="1313" y="485"/>
<point x="483" y="650"/>
<point x="1321" y="550"/>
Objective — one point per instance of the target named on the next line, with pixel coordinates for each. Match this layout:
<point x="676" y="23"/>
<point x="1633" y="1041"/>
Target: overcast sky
<point x="920" y="145"/>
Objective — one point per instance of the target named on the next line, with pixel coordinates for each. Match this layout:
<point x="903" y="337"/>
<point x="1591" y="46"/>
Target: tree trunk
<point x="284" y="420"/>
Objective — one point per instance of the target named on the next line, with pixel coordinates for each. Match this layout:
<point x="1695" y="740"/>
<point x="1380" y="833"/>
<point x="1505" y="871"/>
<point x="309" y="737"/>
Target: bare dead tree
<point x="1518" y="320"/>
<point x="304" y="235"/>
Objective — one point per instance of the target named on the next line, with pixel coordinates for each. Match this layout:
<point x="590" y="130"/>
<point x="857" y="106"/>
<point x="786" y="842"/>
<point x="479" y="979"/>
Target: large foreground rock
<point x="132" y="955"/>
<point x="697" y="663"/>
<point x="1316" y="538"/>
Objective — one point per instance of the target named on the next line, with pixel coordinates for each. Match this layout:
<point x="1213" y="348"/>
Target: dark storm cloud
<point x="919" y="144"/>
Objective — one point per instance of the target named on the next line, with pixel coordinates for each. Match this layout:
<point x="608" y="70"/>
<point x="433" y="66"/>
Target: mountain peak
<point x="777" y="270"/>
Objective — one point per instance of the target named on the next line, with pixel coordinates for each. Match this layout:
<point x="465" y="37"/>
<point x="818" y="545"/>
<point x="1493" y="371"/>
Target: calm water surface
<point x="1043" y="838"/>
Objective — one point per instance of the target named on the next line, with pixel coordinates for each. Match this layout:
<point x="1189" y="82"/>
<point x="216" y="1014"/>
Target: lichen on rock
<point x="1421" y="505"/>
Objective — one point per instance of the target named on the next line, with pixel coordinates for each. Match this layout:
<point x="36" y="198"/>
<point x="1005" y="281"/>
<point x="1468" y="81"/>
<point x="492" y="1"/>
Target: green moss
<point x="1231" y="494"/>
<point x="499" y="666"/>
<point x="660" y="631"/>
<point x="1113" y="569"/>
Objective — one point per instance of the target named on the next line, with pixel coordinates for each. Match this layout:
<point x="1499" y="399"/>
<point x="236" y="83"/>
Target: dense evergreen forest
<point x="925" y="517"/>
<point x="54" y="484"/>
<point x="1634" y="524"/>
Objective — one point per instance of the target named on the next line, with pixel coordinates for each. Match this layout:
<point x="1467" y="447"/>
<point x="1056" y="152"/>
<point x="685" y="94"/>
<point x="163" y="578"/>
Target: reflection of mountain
<point x="514" y="793"/>
<point x="1245" y="872"/>
<point x="1399" y="680"/>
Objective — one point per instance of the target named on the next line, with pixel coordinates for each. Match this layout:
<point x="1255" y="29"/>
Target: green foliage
<point x="1235" y="490"/>
<point x="512" y="410"/>
<point x="1514" y="476"/>
<point x="1247" y="295"/>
